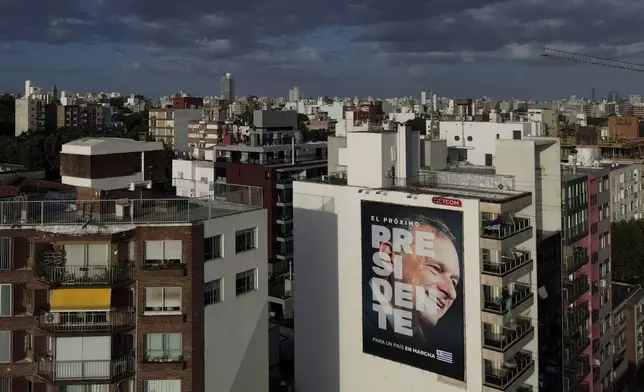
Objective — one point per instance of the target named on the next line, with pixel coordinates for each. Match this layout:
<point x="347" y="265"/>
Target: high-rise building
<point x="113" y="287"/>
<point x="430" y="276"/>
<point x="228" y="88"/>
<point x="628" y="338"/>
<point x="271" y="156"/>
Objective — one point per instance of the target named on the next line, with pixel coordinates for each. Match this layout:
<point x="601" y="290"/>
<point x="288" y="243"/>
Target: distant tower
<point x="54" y="93"/>
<point x="228" y="88"/>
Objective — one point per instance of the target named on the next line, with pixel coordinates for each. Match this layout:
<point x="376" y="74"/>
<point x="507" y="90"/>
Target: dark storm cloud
<point x="409" y="32"/>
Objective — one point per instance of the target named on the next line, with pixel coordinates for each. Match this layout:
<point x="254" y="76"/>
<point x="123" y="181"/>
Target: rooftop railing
<point x="84" y="213"/>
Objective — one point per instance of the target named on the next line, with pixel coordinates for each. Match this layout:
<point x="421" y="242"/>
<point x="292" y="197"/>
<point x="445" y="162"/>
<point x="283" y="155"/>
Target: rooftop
<point x="108" y="145"/>
<point x="16" y="186"/>
<point x="103" y="216"/>
<point x="626" y="293"/>
<point x="467" y="181"/>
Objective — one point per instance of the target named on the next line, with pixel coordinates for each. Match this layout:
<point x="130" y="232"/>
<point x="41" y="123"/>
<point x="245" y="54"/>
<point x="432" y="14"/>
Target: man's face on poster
<point x="439" y="275"/>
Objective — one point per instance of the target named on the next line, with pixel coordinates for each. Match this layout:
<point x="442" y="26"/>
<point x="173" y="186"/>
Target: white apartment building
<point x="236" y="329"/>
<point x="474" y="142"/>
<point x="193" y="178"/>
<point x="489" y="341"/>
<point x="170" y="126"/>
<point x="30" y="109"/>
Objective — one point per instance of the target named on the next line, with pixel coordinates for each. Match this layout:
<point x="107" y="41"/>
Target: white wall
<point x="187" y="177"/>
<point x="483" y="136"/>
<point x="328" y="304"/>
<point x="236" y="330"/>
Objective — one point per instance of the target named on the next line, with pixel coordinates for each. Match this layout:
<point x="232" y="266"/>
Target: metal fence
<point x="72" y="323"/>
<point x="88" y="370"/>
<point x="70" y="275"/>
<point x="122" y="211"/>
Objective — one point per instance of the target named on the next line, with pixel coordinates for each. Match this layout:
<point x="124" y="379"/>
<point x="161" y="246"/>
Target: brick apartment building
<point x="107" y="287"/>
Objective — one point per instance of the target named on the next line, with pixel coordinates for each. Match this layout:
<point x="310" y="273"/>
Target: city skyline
<point x="463" y="48"/>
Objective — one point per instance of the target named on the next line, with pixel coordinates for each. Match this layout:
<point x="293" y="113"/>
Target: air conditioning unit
<point x="52" y="318"/>
<point x="603" y="283"/>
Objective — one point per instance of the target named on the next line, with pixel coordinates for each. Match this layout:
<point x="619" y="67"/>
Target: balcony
<point x="500" y="347"/>
<point x="506" y="234"/>
<point x="85" y="323"/>
<point x="508" y="270"/>
<point x="167" y="268"/>
<point x="106" y="371"/>
<point x="285" y="235"/>
<point x="582" y="387"/>
<point x="510" y="375"/>
<point x="170" y="359"/>
<point x="284" y="183"/>
<point x="284" y="198"/>
<point x="574" y="345"/>
<point x="285" y="250"/>
<point x="577" y="259"/>
<point x="90" y="275"/>
<point x="519" y="300"/>
<point x="575" y="288"/>
<point x="576" y="316"/>
<point x="576" y="373"/>
<point x="620" y="364"/>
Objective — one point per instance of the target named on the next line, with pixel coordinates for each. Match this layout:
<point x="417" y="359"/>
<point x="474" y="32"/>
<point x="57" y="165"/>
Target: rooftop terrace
<point x="91" y="216"/>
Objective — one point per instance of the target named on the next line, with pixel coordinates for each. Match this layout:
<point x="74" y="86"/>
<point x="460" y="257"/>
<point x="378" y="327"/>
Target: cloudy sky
<point x="331" y="47"/>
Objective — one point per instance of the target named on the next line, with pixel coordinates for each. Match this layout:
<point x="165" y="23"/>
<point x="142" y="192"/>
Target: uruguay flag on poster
<point x="494" y="224"/>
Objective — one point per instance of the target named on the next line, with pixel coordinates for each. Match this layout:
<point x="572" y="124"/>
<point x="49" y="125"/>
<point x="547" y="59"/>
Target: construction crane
<point x="582" y="58"/>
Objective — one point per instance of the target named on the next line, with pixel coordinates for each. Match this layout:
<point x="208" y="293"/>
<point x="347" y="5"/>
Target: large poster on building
<point x="412" y="286"/>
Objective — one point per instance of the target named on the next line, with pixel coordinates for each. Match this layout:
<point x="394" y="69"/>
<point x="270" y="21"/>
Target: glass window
<point x="163" y="299"/>
<point x="245" y="282"/>
<point x="163" y="347"/>
<point x="245" y="240"/>
<point x="6" y="300"/>
<point x="212" y="247"/>
<point x="212" y="292"/>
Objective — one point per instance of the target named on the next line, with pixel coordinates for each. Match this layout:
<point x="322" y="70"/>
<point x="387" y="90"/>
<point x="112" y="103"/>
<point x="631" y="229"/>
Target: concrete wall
<point x="236" y="329"/>
<point x="328" y="327"/>
<point x="479" y="138"/>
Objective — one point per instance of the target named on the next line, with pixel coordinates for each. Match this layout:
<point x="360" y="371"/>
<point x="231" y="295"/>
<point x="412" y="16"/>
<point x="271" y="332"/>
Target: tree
<point x="627" y="246"/>
<point x="7" y="115"/>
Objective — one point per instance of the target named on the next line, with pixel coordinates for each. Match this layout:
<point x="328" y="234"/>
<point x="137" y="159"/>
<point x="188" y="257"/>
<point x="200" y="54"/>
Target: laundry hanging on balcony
<point x="494" y="224"/>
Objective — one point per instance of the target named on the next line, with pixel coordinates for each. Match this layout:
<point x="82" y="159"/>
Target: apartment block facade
<point x="112" y="290"/>
<point x="628" y="336"/>
<point x="503" y="219"/>
<point x="586" y="220"/>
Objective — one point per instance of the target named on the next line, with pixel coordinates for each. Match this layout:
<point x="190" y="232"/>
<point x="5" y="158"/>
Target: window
<point x="162" y="386"/>
<point x="245" y="282"/>
<point x="245" y="240"/>
<point x="204" y="180"/>
<point x="212" y="247"/>
<point x="5" y="384"/>
<point x="162" y="252"/>
<point x="5" y="346"/>
<point x="86" y="255"/>
<point x="6" y="254"/>
<point x="163" y="300"/>
<point x="86" y="388"/>
<point x="6" y="300"/>
<point x="516" y="135"/>
<point x="212" y="292"/>
<point x="162" y="347"/>
<point x="593" y="228"/>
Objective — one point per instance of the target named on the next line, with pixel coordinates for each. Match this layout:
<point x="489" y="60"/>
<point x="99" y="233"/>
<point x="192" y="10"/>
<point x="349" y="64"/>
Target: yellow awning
<point x="80" y="300"/>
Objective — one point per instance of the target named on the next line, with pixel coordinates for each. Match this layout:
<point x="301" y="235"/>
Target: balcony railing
<point x="502" y="377"/>
<point x="69" y="275"/>
<point x="525" y="388"/>
<point x="574" y="261"/>
<point x="574" y="345"/>
<point x="107" y="370"/>
<point x="14" y="213"/>
<point x="507" y="264"/>
<point x="575" y="317"/>
<point x="576" y="372"/>
<point x="520" y="294"/>
<point x="507" y="229"/>
<point x="98" y="322"/>
<point x="511" y="335"/>
<point x="575" y="288"/>
<point x="163" y="356"/>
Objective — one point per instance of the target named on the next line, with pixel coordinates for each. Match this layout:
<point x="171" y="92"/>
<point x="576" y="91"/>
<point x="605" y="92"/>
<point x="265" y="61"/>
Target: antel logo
<point x="447" y="202"/>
